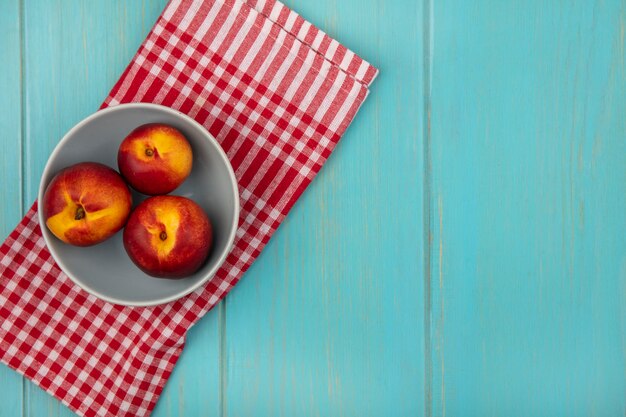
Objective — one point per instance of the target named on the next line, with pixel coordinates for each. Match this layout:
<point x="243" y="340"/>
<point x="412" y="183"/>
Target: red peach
<point x="86" y="203"/>
<point x="168" y="236"/>
<point x="155" y="159"/>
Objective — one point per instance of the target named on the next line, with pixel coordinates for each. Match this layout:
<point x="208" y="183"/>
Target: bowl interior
<point x="105" y="269"/>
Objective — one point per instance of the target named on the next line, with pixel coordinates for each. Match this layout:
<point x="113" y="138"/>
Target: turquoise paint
<point x="328" y="322"/>
<point x="463" y="251"/>
<point x="11" y="397"/>
<point x="528" y="203"/>
<point x="10" y="120"/>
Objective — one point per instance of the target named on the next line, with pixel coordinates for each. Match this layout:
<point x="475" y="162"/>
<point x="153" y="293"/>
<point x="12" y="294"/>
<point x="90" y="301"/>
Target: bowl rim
<point x="233" y="227"/>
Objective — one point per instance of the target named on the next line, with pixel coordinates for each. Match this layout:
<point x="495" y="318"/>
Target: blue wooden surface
<point x="528" y="208"/>
<point x="463" y="251"/>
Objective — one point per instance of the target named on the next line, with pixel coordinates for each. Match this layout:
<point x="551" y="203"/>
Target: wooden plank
<point x="329" y="320"/>
<point x="75" y="51"/>
<point x="193" y="389"/>
<point x="528" y="203"/>
<point x="11" y="395"/>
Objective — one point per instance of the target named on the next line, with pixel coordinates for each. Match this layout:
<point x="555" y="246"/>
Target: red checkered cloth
<point x="277" y="93"/>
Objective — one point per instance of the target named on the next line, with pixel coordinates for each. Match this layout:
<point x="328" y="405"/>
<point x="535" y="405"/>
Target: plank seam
<point x="22" y="104"/>
<point x="427" y="209"/>
<point x="223" y="356"/>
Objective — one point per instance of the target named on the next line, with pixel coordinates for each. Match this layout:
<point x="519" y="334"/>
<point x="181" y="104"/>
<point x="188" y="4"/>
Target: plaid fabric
<point x="278" y="94"/>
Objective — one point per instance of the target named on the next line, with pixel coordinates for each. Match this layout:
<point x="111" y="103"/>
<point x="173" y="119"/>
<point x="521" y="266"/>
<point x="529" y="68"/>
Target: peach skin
<point x="86" y="203"/>
<point x="168" y="236"/>
<point x="155" y="159"/>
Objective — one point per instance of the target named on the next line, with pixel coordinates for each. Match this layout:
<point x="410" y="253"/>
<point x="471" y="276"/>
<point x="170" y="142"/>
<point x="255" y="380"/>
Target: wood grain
<point x="10" y="165"/>
<point x="328" y="321"/>
<point x="528" y="204"/>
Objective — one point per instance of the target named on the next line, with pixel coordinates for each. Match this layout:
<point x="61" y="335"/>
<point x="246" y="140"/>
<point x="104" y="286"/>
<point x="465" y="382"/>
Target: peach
<point x="155" y="159"/>
<point x="168" y="236"/>
<point x="86" y="203"/>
